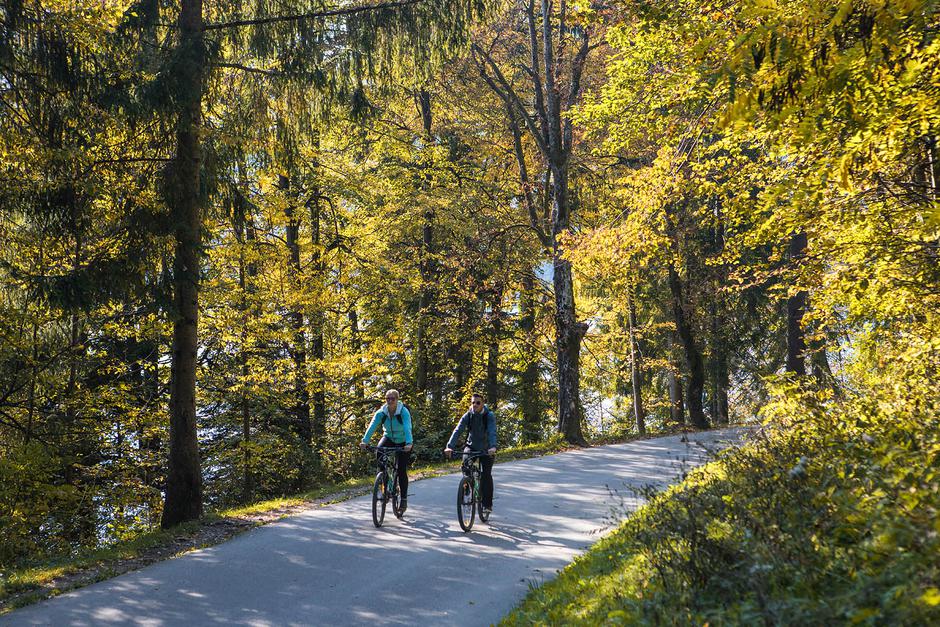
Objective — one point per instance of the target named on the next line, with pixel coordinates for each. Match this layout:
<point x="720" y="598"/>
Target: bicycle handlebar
<point x="471" y="454"/>
<point x="385" y="449"/>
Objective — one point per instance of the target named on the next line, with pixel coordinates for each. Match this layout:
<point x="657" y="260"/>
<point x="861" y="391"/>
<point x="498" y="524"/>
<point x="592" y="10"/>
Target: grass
<point x="36" y="578"/>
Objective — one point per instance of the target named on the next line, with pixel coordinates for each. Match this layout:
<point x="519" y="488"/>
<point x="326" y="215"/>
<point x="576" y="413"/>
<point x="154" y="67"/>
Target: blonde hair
<point x="393" y="392"/>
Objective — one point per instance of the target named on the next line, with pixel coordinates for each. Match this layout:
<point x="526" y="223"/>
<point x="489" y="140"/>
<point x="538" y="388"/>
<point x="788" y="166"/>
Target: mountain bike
<point x="386" y="488"/>
<point x="469" y="495"/>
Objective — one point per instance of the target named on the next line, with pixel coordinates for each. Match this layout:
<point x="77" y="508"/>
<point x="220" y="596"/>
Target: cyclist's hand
<point x="448" y="452"/>
<point x="407" y="448"/>
<point x="492" y="451"/>
<point x="363" y="446"/>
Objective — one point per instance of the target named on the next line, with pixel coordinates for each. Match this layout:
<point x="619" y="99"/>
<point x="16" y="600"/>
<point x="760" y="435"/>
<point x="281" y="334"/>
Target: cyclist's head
<point x="391" y="398"/>
<point x="476" y="400"/>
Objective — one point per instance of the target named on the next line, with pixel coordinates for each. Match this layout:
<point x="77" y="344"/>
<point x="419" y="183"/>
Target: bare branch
<point x="534" y="72"/>
<point x="507" y="94"/>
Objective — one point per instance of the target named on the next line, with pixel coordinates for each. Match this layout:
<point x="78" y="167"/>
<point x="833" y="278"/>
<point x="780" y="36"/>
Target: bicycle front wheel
<point x="466" y="504"/>
<point x="378" y="500"/>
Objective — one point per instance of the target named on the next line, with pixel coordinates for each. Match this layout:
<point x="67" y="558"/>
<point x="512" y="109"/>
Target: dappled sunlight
<point x="331" y="563"/>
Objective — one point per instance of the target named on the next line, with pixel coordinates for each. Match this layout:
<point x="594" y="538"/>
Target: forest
<point x="229" y="227"/>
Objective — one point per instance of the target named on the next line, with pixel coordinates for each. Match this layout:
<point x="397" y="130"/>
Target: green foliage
<point x="759" y="121"/>
<point x="827" y="516"/>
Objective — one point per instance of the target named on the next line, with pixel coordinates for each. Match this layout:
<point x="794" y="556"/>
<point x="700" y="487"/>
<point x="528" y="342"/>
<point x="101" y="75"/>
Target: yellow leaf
<point x="931" y="596"/>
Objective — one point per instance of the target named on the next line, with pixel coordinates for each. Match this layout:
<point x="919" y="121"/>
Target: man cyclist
<point x="480" y="424"/>
<point x="396" y="425"/>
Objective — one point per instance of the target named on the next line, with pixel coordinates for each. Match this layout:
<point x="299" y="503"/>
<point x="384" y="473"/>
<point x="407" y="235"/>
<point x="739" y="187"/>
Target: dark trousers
<point x="403" y="458"/>
<point x="486" y="479"/>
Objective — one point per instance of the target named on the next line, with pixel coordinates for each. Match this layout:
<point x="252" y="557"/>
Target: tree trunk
<point x="674" y="383"/>
<point x="184" y="480"/>
<point x="299" y="348"/>
<point x="636" y="368"/>
<point x="796" y="306"/>
<point x="719" y="368"/>
<point x="356" y="345"/>
<point x="721" y="388"/>
<point x="568" y="336"/>
<point x="317" y="317"/>
<point x="693" y="357"/>
<point x="529" y="382"/>
<point x="676" y="401"/>
<point x="426" y="269"/>
<point x="492" y="352"/>
<point x="245" y="233"/>
<point x="555" y="69"/>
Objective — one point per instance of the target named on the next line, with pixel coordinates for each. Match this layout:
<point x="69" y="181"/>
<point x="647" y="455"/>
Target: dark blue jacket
<point x="481" y="430"/>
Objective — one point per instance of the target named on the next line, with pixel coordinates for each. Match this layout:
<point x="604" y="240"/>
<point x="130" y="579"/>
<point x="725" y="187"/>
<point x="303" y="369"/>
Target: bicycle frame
<point x="470" y="502"/>
<point x="385" y="488"/>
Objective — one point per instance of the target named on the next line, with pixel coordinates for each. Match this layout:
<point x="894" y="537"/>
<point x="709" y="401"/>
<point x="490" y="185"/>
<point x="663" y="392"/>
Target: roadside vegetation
<point x="830" y="515"/>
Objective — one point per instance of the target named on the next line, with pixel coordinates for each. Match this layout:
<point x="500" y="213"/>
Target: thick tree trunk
<point x="636" y="368"/>
<point x="674" y="383"/>
<point x="184" y="480"/>
<point x="796" y="307"/>
<point x="568" y="336"/>
<point x="693" y="357"/>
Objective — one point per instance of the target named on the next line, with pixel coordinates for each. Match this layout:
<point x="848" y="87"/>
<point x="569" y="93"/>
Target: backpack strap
<point x="385" y="416"/>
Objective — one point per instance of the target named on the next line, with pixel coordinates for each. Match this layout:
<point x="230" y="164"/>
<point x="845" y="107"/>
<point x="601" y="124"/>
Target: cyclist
<point x="480" y="423"/>
<point x="396" y="425"/>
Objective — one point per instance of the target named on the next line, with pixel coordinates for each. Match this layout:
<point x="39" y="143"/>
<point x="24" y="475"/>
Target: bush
<point x="830" y="516"/>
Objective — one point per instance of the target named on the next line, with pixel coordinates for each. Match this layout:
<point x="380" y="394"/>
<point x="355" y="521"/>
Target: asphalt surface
<point x="331" y="566"/>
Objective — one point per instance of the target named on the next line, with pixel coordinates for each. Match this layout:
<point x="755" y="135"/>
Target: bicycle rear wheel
<point x="396" y="500"/>
<point x="481" y="512"/>
<point x="378" y="500"/>
<point x="466" y="504"/>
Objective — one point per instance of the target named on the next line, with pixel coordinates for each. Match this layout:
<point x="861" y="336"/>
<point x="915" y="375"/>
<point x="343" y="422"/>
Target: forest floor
<point x="33" y="583"/>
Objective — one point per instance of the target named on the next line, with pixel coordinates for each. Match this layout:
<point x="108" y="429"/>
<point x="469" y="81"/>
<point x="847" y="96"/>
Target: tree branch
<point x="275" y="19"/>
<point x="245" y="68"/>
<point x="508" y="95"/>
<point x="534" y="72"/>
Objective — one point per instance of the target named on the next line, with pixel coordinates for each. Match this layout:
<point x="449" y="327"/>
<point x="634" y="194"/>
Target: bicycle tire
<point x="378" y="500"/>
<point x="396" y="501"/>
<point x="466" y="505"/>
<point x="482" y="513"/>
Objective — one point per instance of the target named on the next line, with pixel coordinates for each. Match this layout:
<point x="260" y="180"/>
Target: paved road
<point x="330" y="566"/>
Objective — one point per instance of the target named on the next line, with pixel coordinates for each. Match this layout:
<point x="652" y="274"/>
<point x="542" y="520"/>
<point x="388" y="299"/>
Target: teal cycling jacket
<point x="397" y="428"/>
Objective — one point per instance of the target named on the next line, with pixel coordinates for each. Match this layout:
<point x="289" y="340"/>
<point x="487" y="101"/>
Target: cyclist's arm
<point x="491" y="430"/>
<point x="406" y="425"/>
<point x="376" y="421"/>
<point x="461" y="425"/>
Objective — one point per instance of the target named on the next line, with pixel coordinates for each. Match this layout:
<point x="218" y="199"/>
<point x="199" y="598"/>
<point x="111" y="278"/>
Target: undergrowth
<point x="830" y="516"/>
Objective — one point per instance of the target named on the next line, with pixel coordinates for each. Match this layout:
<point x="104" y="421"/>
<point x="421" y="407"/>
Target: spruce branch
<point x="274" y="19"/>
